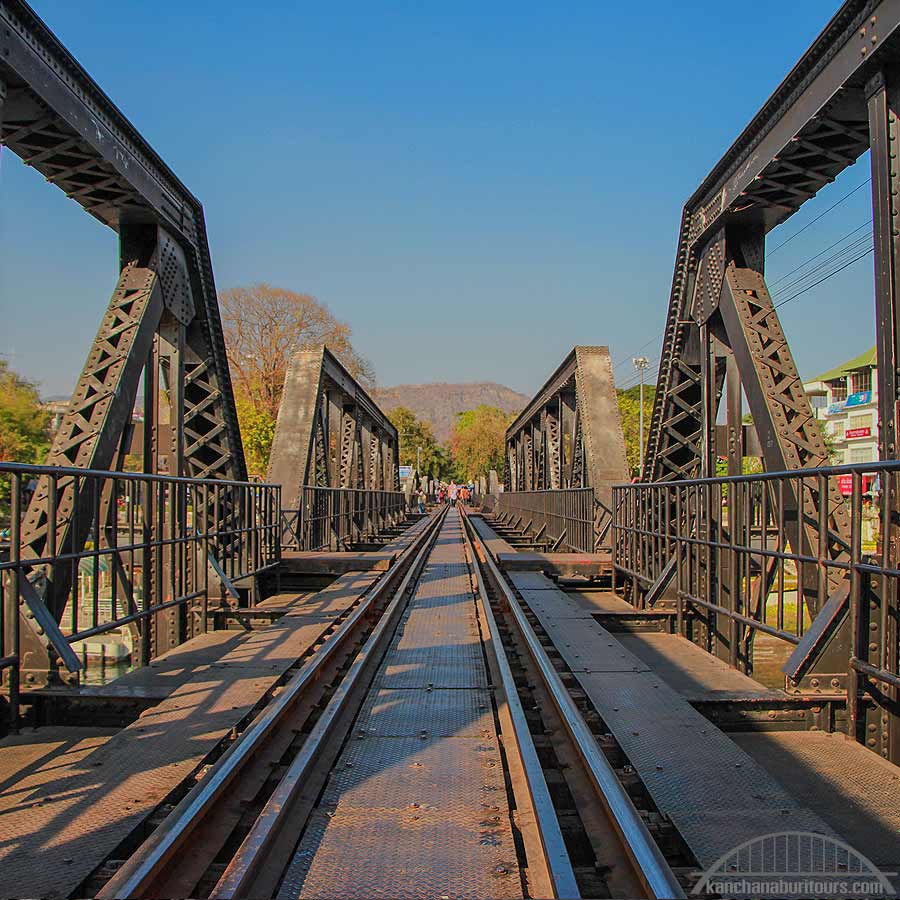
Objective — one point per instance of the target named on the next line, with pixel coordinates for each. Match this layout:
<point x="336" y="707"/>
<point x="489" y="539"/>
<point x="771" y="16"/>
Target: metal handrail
<point x="334" y="518"/>
<point x="146" y="548"/>
<point x="566" y="518"/>
<point x="741" y="543"/>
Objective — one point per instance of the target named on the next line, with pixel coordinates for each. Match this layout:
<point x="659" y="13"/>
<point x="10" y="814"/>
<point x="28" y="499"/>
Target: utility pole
<point x="641" y="363"/>
<point x="419" y="460"/>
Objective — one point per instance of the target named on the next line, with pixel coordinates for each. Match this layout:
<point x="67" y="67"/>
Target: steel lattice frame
<point x="162" y="321"/>
<point x="330" y="433"/>
<point x="839" y="100"/>
<point x="570" y="434"/>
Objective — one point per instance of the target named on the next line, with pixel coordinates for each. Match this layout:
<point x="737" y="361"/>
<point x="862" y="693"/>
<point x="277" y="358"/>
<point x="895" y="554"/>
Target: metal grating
<point x="416" y="804"/>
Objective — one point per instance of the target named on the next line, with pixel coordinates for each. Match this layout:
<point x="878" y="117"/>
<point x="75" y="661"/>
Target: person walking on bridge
<point x="454" y="493"/>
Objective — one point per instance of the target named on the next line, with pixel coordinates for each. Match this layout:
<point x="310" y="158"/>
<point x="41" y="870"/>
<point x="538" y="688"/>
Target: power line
<point x="840" y="256"/>
<point x="829" y="247"/>
<point x="816" y="219"/>
<point x="823" y="265"/>
<point x="826" y="277"/>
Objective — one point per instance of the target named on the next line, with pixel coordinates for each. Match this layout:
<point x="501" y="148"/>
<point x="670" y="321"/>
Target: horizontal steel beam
<point x="829" y="79"/>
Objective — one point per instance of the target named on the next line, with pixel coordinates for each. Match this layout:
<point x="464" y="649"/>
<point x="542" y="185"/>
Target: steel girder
<point x="839" y="100"/>
<point x="329" y="432"/>
<point x="814" y="125"/>
<point x="163" y="312"/>
<point x="59" y="121"/>
<point x="570" y="433"/>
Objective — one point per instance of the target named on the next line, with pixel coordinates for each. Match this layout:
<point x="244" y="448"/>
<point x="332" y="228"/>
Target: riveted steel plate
<point x="441" y="713"/>
<point x="406" y="674"/>
<point x="532" y="581"/>
<point x="585" y="647"/>
<point x="853" y="789"/>
<point x="335" y="599"/>
<point x="64" y="816"/>
<point x="425" y="813"/>
<point x="556" y="604"/>
<point x="694" y="772"/>
<point x="421" y="854"/>
<point x="459" y="774"/>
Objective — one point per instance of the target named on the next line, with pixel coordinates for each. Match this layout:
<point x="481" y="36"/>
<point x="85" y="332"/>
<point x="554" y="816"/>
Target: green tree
<point x="414" y="434"/>
<point x="257" y="433"/>
<point x="24" y="435"/>
<point x="630" y="413"/>
<point x="264" y="326"/>
<point x="478" y="443"/>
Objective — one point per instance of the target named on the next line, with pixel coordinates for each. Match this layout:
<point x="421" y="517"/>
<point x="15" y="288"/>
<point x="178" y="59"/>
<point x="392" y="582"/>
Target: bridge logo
<point x="794" y="864"/>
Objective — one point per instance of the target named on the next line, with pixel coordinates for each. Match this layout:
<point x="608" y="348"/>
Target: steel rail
<point x="649" y="864"/>
<point x="139" y="872"/>
<point x="237" y="880"/>
<point x="556" y="856"/>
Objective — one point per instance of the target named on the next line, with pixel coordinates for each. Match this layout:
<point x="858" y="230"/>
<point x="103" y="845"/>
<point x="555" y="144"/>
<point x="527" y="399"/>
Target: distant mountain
<point x="439" y="403"/>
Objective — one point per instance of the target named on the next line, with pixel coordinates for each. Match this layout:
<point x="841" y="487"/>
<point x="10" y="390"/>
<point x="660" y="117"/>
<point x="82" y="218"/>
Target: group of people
<point x="449" y="493"/>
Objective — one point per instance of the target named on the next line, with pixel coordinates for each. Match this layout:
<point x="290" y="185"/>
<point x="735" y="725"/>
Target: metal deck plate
<point x="851" y="788"/>
<point x="687" y="668"/>
<point x="417" y="854"/>
<point x="438" y="713"/>
<point x="399" y="772"/>
<point x="532" y="581"/>
<point x="335" y="599"/>
<point x="545" y="600"/>
<point x="416" y="805"/>
<point x="715" y="803"/>
<point x="70" y="809"/>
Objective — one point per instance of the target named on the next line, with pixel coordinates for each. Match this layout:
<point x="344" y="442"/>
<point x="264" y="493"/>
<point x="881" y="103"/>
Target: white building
<point x="846" y="400"/>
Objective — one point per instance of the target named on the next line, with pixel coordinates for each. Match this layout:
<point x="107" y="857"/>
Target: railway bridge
<point x="572" y="686"/>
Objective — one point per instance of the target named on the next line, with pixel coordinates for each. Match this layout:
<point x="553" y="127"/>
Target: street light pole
<point x="641" y="363"/>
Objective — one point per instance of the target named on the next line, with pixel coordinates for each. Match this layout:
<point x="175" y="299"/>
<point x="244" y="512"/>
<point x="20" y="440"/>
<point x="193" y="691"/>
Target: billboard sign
<point x="858" y="433"/>
<point x="859" y="399"/>
<point x="405" y="472"/>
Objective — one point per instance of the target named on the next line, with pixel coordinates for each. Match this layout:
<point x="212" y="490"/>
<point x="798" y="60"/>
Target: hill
<point x="439" y="403"/>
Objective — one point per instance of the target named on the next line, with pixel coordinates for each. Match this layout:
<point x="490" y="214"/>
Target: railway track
<point x="430" y="746"/>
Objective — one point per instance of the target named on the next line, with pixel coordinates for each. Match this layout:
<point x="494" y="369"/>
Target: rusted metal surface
<point x="715" y="806"/>
<point x="421" y="812"/>
<point x="81" y="810"/>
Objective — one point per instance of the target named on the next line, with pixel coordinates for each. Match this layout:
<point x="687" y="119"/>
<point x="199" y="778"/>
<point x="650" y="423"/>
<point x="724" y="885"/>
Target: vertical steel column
<point x="881" y="725"/>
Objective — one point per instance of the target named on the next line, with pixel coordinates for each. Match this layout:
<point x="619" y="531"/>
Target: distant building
<point x="57" y="410"/>
<point x="846" y="400"/>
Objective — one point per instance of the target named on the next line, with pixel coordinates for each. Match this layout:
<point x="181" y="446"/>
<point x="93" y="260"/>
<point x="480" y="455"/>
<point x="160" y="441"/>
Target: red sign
<point x="845" y="484"/>
<point x="858" y="432"/>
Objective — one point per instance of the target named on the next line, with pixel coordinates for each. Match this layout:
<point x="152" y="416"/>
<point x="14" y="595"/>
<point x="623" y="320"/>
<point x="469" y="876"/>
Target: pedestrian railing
<point x="794" y="556"/>
<point x="571" y="519"/>
<point x="108" y="551"/>
<point x="336" y="518"/>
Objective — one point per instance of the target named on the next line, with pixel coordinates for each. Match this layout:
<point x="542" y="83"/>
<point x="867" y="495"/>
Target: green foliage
<point x="414" y="434"/>
<point x="479" y="441"/>
<point x="24" y="425"/>
<point x="630" y="412"/>
<point x="257" y="433"/>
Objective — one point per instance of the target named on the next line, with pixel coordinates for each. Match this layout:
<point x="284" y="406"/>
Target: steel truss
<point x="570" y="434"/>
<point x="162" y="322"/>
<point x="839" y="100"/>
<point x="330" y="433"/>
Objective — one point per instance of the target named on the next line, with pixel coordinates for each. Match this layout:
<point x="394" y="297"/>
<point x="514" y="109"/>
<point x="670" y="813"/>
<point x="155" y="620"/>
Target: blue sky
<point x="474" y="187"/>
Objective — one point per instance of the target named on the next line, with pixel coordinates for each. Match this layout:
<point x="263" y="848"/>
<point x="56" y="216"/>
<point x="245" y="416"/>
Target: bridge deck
<point x="660" y="732"/>
<point x="71" y="796"/>
<point x="416" y="805"/>
<point x="850" y="787"/>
